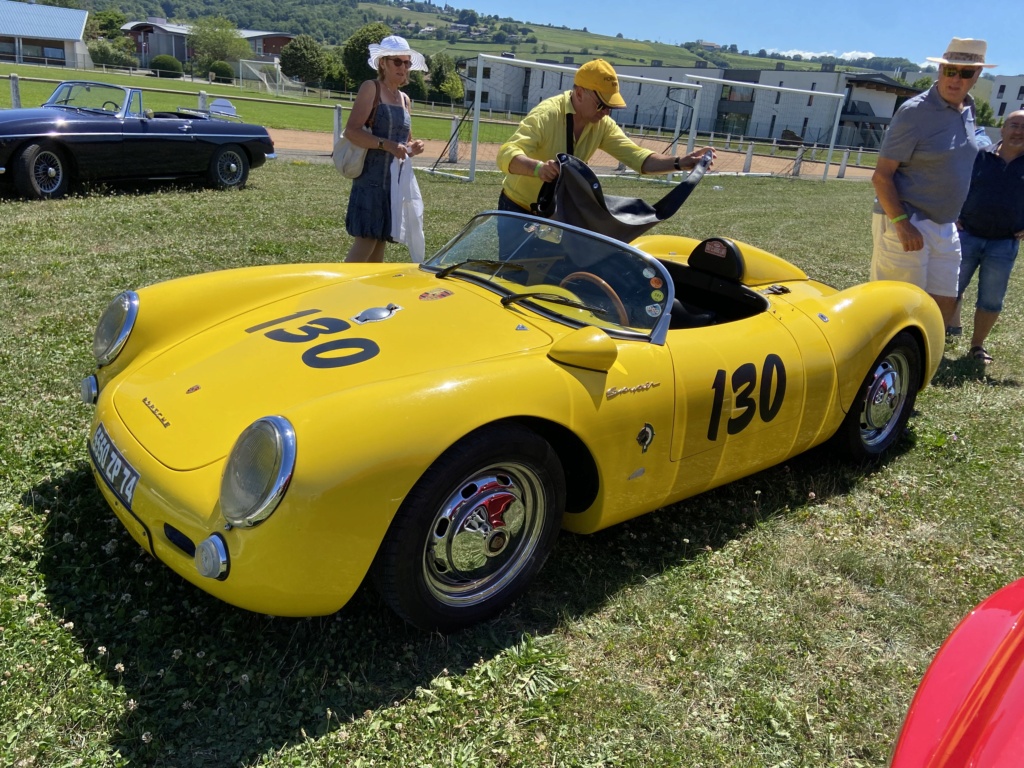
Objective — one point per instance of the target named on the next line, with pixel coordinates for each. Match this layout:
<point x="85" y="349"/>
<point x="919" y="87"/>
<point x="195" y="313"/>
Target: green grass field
<point x="783" y="620"/>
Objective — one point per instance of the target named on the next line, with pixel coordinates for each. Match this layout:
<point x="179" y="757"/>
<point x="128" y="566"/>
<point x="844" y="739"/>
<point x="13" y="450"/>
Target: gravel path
<point x="316" y="147"/>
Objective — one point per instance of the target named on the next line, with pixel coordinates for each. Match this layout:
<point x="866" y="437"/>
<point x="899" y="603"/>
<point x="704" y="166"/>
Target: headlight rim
<point x="127" y="324"/>
<point x="285" y="444"/>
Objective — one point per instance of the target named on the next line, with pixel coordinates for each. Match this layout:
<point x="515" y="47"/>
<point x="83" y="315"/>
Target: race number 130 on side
<point x="744" y="381"/>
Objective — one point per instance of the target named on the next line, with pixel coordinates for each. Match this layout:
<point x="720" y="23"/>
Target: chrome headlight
<point x="258" y="471"/>
<point x="115" y="326"/>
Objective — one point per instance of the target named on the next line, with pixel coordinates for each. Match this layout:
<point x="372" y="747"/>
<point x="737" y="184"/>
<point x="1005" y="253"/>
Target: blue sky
<point x="912" y="29"/>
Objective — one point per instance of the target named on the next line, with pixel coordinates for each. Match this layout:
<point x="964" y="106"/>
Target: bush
<point x="119" y="52"/>
<point x="165" y="65"/>
<point x="222" y="72"/>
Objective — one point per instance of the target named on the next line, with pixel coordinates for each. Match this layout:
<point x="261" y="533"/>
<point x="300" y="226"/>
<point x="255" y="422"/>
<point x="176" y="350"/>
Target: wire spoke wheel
<point x="229" y="168"/>
<point x="42" y="172"/>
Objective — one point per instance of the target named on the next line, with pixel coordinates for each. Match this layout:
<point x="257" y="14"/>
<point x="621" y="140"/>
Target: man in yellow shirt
<point x="577" y="122"/>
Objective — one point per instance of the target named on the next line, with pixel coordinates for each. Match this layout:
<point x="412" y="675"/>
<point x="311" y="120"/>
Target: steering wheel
<point x="589" y="277"/>
<point x="113" y="107"/>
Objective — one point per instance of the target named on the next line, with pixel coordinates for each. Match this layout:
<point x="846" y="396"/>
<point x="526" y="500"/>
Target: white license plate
<point x="115" y="470"/>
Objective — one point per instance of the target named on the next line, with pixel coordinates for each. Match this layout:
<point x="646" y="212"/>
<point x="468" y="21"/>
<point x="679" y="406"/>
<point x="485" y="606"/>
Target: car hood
<point x="188" y="404"/>
<point x="11" y="118"/>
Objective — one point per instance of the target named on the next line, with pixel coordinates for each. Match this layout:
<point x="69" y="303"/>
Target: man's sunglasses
<point x="600" y="101"/>
<point x="965" y="73"/>
<point x="401" y="62"/>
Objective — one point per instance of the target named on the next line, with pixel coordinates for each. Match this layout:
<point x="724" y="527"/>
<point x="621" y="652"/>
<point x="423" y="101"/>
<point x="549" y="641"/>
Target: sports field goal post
<point x="788" y="103"/>
<point x="501" y="90"/>
<point x="266" y="77"/>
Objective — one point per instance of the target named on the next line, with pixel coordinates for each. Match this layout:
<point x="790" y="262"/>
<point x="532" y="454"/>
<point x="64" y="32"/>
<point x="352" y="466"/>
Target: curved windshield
<point x="561" y="272"/>
<point x="92" y="96"/>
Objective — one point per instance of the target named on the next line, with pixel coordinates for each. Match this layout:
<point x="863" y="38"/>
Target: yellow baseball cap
<point x="598" y="75"/>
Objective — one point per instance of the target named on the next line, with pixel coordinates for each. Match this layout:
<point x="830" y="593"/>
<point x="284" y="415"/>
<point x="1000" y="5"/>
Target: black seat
<point x="711" y="283"/>
<point x="718" y="256"/>
<point x="688" y="316"/>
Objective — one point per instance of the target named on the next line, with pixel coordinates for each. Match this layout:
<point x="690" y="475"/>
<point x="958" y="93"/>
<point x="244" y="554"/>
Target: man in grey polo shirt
<point x="922" y="177"/>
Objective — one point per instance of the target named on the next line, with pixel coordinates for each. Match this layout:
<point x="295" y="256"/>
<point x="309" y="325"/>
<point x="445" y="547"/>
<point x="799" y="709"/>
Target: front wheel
<point x="41" y="171"/>
<point x="229" y="168"/>
<point x="474" y="530"/>
<point x="884" y="403"/>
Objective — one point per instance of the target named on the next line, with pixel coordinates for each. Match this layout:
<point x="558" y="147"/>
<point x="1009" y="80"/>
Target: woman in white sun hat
<point x="381" y="122"/>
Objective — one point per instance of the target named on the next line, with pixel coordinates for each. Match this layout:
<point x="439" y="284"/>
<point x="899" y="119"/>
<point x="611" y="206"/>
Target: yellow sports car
<point x="275" y="434"/>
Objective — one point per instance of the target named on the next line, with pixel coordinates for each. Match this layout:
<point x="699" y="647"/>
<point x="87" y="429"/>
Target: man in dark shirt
<point x="991" y="227"/>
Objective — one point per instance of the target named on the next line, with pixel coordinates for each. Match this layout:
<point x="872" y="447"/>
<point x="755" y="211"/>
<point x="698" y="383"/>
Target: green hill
<point x="433" y="31"/>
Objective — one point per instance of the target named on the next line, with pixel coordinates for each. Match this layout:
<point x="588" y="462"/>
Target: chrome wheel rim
<point x="484" y="534"/>
<point x="885" y="399"/>
<point x="48" y="172"/>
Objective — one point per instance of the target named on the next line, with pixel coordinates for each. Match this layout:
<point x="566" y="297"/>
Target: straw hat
<point x="393" y="45"/>
<point x="964" y="50"/>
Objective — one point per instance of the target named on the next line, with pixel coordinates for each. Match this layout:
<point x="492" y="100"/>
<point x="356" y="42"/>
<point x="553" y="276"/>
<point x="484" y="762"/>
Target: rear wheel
<point x="41" y="171"/>
<point x="229" y="168"/>
<point x="884" y="403"/>
<point x="474" y="530"/>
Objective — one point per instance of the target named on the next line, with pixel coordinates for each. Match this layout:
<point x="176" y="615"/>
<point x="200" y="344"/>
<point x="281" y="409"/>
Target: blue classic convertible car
<point x="100" y="132"/>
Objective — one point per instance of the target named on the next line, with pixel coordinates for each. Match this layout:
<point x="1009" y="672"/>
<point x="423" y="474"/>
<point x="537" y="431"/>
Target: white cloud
<point x="810" y="54"/>
<point x="805" y="54"/>
<point x="857" y="55"/>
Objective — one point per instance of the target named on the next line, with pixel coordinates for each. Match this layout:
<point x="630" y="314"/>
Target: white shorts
<point x="936" y="267"/>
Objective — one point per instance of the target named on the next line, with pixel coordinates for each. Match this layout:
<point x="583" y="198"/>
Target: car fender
<point x="361" y="452"/>
<point x="967" y="709"/>
<point x="860" y="321"/>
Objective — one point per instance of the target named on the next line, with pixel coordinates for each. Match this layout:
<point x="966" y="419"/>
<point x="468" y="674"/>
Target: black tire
<point x="884" y="403"/>
<point x="41" y="171"/>
<point x="474" y="530"/>
<point x="229" y="168"/>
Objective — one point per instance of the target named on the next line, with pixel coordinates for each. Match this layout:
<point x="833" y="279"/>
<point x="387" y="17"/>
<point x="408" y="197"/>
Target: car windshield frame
<point x="89" y="97"/>
<point x="561" y="272"/>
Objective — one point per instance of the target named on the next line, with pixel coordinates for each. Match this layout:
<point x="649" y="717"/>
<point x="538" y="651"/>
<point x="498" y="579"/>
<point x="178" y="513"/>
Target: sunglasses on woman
<point x="401" y="62"/>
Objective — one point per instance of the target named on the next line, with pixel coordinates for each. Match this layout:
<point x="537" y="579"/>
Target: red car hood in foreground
<point x="969" y="708"/>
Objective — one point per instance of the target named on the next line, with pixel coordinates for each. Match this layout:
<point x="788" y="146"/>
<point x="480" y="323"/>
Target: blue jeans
<point x="993" y="260"/>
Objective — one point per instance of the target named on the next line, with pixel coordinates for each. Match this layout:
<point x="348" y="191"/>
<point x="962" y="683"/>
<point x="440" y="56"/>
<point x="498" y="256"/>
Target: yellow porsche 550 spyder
<point x="275" y="434"/>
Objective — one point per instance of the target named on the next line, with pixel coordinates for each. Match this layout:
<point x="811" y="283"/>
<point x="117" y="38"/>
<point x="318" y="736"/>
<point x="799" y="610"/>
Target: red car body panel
<point x="969" y="708"/>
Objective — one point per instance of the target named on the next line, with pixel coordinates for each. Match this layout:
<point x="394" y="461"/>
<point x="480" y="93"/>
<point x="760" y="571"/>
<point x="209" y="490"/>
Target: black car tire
<point x="41" y="171"/>
<point x="884" y="402"/>
<point x="229" y="168"/>
<point x="474" y="530"/>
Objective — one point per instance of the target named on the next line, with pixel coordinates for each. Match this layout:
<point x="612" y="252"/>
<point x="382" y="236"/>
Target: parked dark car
<point x="100" y="132"/>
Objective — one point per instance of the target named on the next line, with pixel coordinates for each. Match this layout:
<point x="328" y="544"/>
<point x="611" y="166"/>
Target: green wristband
<point x="901" y="217"/>
<point x="536" y="169"/>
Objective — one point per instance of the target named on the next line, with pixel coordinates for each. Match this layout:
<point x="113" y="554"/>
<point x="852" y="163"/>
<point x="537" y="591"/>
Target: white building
<point x="43" y="34"/>
<point x="868" y="100"/>
<point x="1007" y="95"/>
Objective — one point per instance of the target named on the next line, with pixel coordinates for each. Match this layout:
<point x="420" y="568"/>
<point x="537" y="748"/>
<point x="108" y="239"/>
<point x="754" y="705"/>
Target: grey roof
<point x="184" y="29"/>
<point x="41" y="21"/>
